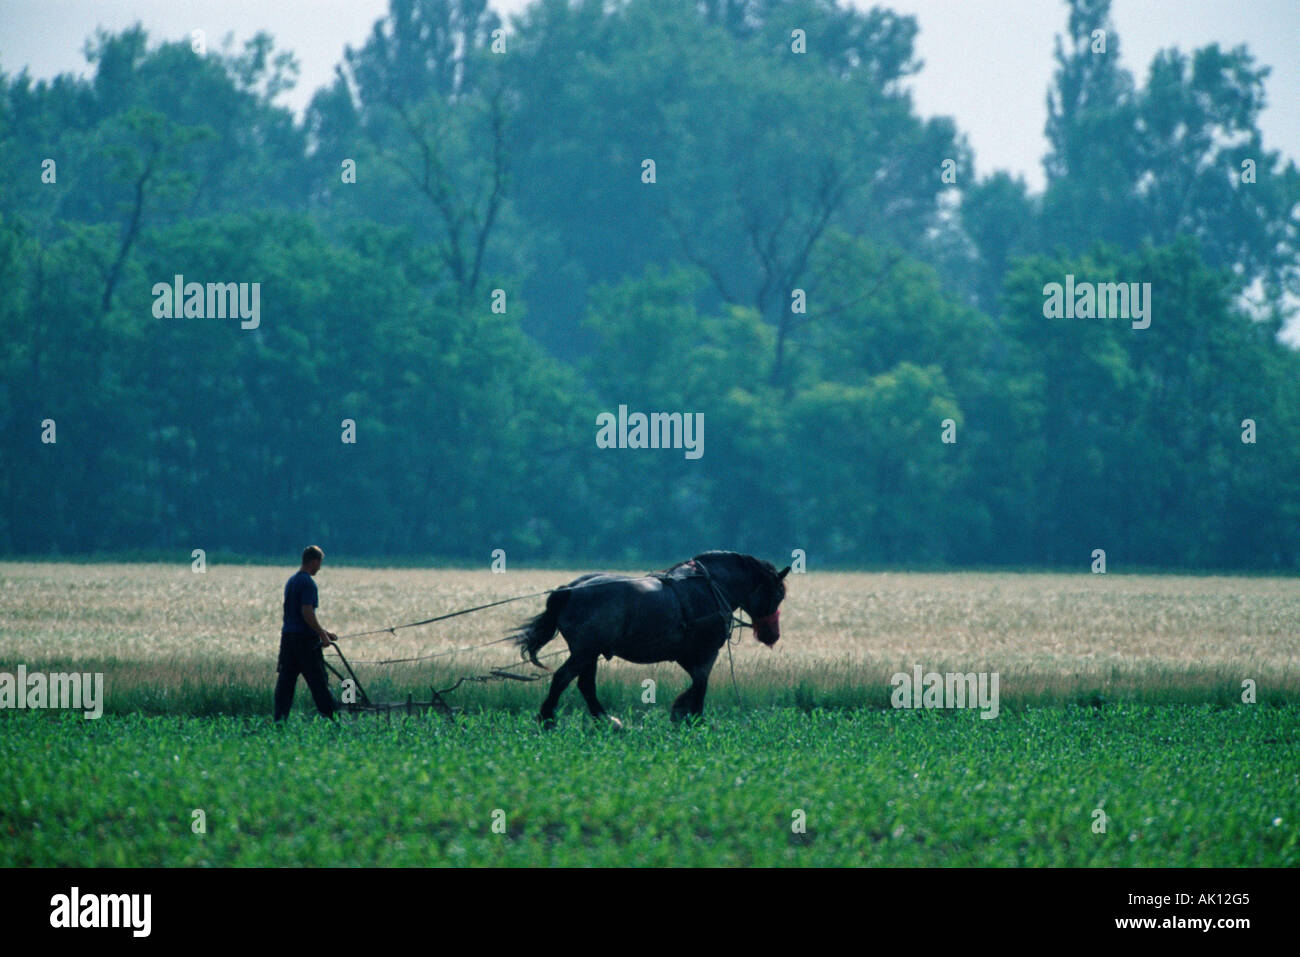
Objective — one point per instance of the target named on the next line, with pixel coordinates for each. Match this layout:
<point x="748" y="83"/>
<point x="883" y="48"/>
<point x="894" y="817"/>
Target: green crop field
<point x="1122" y="737"/>
<point x="1178" y="785"/>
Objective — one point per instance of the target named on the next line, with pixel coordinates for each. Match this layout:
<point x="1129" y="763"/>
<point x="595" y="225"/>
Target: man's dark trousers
<point x="302" y="655"/>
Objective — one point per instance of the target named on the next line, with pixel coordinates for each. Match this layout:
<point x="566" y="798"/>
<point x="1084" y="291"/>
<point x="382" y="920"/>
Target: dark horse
<point x="683" y="614"/>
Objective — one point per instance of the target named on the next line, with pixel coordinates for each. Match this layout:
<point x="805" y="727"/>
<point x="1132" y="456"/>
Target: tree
<point x="426" y="95"/>
<point x="1182" y="156"/>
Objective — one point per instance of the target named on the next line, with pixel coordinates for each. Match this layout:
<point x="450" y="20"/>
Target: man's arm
<point x="309" y="616"/>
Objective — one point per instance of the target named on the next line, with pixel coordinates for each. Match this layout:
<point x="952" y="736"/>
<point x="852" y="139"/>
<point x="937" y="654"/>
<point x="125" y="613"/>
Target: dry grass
<point x="152" y="624"/>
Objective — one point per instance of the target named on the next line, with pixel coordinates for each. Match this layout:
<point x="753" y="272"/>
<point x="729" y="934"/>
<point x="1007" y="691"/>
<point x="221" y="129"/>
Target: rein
<point x="463" y="611"/>
<point x="724" y="609"/>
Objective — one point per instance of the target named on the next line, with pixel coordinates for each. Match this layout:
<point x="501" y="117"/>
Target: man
<point x="302" y="639"/>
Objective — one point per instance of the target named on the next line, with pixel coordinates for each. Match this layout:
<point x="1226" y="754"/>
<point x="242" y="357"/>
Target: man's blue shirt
<point x="298" y="591"/>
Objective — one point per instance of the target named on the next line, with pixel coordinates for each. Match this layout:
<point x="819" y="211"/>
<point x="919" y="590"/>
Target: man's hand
<point x="327" y="638"/>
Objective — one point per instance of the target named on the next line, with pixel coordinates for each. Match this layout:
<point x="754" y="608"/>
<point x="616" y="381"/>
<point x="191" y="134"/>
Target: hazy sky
<point x="988" y="64"/>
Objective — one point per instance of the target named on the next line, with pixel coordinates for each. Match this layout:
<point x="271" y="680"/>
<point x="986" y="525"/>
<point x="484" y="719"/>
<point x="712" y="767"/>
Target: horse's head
<point x="764" y="603"/>
<point x="753" y="584"/>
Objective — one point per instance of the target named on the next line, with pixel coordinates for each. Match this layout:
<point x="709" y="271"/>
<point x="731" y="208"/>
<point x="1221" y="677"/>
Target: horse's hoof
<point x="547" y="724"/>
<point x="614" y="723"/>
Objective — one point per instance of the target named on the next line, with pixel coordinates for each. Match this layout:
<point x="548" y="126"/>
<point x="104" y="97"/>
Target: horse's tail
<point x="536" y="632"/>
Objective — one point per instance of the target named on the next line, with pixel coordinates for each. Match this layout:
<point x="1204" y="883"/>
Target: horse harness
<point x="697" y="570"/>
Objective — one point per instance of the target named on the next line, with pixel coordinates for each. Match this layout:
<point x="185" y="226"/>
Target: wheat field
<point x="160" y="626"/>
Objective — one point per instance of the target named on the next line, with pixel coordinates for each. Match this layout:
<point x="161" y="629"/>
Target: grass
<point x="1178" y="785"/>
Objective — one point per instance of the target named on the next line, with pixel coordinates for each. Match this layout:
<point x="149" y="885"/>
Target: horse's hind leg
<point x="563" y="675"/>
<point x="587" y="685"/>
<point x="682" y="706"/>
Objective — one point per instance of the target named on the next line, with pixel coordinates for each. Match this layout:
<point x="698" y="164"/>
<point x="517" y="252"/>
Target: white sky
<point x="988" y="64"/>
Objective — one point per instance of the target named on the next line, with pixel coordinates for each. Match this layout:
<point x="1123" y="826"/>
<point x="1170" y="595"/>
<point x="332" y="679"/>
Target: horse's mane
<point x="758" y="564"/>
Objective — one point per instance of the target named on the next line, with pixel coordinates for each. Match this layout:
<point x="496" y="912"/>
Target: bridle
<point x="724" y="607"/>
<point x="724" y="610"/>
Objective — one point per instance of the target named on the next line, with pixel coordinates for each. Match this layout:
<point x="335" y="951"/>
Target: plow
<point x="362" y="703"/>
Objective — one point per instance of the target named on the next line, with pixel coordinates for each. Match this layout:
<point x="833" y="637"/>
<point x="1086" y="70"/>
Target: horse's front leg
<point x="691" y="701"/>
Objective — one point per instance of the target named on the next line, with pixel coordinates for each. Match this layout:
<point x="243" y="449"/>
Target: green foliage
<point x="1102" y="391"/>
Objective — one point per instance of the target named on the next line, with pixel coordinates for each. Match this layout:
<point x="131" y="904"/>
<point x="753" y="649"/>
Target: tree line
<point x="479" y="239"/>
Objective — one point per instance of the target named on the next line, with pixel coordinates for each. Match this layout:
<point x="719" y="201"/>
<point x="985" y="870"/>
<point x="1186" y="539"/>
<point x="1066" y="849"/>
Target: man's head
<point x="312" y="556"/>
